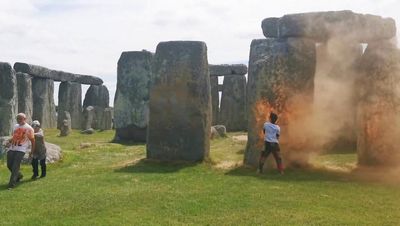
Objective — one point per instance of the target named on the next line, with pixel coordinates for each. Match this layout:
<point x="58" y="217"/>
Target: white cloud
<point x="87" y="37"/>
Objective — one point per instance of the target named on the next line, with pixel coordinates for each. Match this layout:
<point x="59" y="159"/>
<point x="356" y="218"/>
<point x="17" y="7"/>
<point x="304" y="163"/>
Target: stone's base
<point x="130" y="133"/>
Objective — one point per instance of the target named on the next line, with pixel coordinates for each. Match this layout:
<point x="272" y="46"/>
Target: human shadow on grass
<point x="152" y="166"/>
<point x="5" y="186"/>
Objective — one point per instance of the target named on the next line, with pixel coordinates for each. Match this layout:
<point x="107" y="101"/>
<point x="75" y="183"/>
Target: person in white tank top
<point x="271" y="140"/>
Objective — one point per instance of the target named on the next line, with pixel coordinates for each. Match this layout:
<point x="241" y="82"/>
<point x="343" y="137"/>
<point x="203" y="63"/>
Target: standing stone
<point x="8" y="99"/>
<point x="89" y="116"/>
<point x="65" y="127"/>
<point x="44" y="108"/>
<point x="25" y="99"/>
<point x="214" y="99"/>
<point x="70" y="99"/>
<point x="106" y="120"/>
<point x="378" y="114"/>
<point x="97" y="96"/>
<point x="131" y="104"/>
<point x="180" y="103"/>
<point x="281" y="80"/>
<point x="233" y="103"/>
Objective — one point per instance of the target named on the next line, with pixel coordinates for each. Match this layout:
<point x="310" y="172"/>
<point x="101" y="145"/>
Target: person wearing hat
<point x="39" y="156"/>
<point x="23" y="136"/>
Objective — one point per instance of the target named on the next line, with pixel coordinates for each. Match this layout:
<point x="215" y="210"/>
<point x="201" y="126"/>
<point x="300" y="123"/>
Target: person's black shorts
<point x="270" y="147"/>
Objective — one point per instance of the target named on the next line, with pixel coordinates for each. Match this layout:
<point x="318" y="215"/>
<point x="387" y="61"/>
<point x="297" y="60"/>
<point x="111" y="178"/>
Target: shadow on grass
<point x="127" y="143"/>
<point x="358" y="175"/>
<point x="292" y="174"/>
<point x="5" y="186"/>
<point x="151" y="166"/>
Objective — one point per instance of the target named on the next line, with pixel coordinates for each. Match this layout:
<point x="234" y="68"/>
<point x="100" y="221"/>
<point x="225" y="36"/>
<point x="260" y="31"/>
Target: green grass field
<point x="103" y="183"/>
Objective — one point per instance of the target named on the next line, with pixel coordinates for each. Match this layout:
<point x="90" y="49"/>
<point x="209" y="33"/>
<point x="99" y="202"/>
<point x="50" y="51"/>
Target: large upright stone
<point x="280" y="79"/>
<point x="70" y="99"/>
<point x="131" y="104"/>
<point x="214" y="99"/>
<point x="321" y="26"/>
<point x="233" y="103"/>
<point x="25" y="99"/>
<point x="44" y="108"/>
<point x="97" y="95"/>
<point x="65" y="127"/>
<point x="89" y="117"/>
<point x="378" y="114"/>
<point x="180" y="103"/>
<point x="8" y="99"/>
<point x="106" y="119"/>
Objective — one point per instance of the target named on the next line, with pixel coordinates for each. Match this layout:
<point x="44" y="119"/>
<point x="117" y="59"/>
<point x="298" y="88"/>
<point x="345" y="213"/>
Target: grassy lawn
<point x="102" y="183"/>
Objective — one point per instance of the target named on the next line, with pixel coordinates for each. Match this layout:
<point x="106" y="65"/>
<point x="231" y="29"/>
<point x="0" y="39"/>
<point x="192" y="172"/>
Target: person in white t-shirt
<point x="23" y="136"/>
<point x="271" y="140"/>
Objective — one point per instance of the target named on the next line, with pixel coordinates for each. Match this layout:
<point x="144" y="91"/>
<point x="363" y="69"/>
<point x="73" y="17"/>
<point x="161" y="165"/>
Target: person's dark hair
<point x="273" y="117"/>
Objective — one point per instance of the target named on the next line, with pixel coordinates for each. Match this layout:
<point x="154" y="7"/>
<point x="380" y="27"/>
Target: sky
<point x="88" y="37"/>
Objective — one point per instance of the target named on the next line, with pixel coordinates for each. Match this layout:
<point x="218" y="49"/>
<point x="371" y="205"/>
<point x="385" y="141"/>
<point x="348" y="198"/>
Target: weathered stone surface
<point x="3" y="143"/>
<point x="70" y="99"/>
<point x="65" y="127"/>
<point x="221" y="129"/>
<point x="89" y="117"/>
<point x="378" y="114"/>
<point x="270" y="27"/>
<point x="8" y="99"/>
<point x="233" y="103"/>
<point x="60" y="76"/>
<point x="97" y="96"/>
<point x="105" y="122"/>
<point x="180" y="103"/>
<point x="53" y="154"/>
<point x="321" y="26"/>
<point x="131" y="104"/>
<point x="25" y="99"/>
<point x="214" y="99"/>
<point x="88" y="131"/>
<point x="44" y="108"/>
<point x="281" y="75"/>
<point x="227" y="69"/>
<point x="213" y="133"/>
<point x="335" y="102"/>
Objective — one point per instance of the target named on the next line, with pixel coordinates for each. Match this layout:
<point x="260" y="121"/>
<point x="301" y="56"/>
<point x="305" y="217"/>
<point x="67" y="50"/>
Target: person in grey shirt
<point x="40" y="152"/>
<point x="271" y="140"/>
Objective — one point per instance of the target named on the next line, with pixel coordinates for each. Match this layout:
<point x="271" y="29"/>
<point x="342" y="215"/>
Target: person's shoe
<point x="34" y="177"/>
<point x="10" y="187"/>
<point x="42" y="176"/>
<point x="259" y="171"/>
<point x="20" y="177"/>
<point x="281" y="172"/>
